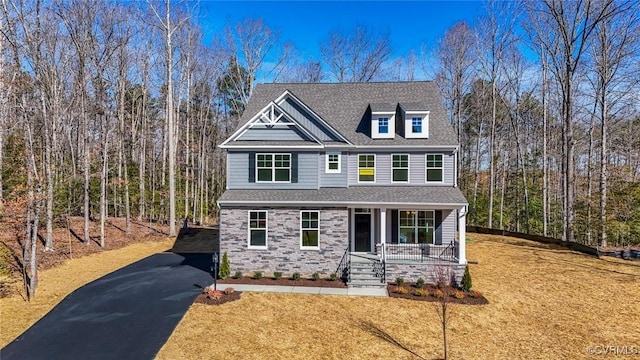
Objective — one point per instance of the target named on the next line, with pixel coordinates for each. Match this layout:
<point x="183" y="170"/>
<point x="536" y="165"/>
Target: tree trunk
<point x="492" y="175"/>
<point x="86" y="167"/>
<point x="48" y="135"/>
<point x="603" y="170"/>
<point x="545" y="165"/>
<point x="170" y="122"/>
<point x="103" y="177"/>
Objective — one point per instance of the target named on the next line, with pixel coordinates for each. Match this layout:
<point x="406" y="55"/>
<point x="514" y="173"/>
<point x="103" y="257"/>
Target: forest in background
<point x="116" y="110"/>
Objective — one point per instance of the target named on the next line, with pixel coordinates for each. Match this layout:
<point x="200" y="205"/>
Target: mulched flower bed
<point x="204" y="299"/>
<point x="285" y="282"/>
<point x="411" y="295"/>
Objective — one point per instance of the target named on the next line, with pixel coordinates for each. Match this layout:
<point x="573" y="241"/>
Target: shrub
<point x="333" y="277"/>
<point x="466" y="279"/>
<point x="420" y="283"/>
<point x="421" y="292"/>
<point x="295" y="276"/>
<point x="458" y="294"/>
<point x="475" y="294"/>
<point x="277" y="275"/>
<point x="225" y="269"/>
<point x="257" y="275"/>
<point x="438" y="293"/>
<point x="237" y="275"/>
<point x="400" y="290"/>
<point x="399" y="281"/>
<point x="212" y="294"/>
<point x="228" y="291"/>
<point x="315" y="276"/>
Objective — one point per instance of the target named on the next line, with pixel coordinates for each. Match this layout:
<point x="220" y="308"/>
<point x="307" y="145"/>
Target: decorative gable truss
<point x="272" y="123"/>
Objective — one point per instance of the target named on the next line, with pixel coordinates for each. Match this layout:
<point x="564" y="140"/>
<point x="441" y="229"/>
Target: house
<point x="353" y="178"/>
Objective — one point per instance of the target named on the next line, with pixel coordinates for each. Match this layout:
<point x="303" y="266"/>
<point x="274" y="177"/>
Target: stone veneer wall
<point x="283" y="251"/>
<point x="411" y="272"/>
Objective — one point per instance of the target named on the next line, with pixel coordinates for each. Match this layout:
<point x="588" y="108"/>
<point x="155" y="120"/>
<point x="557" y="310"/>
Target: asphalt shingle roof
<point x="389" y="195"/>
<point x="382" y="107"/>
<point x="344" y="107"/>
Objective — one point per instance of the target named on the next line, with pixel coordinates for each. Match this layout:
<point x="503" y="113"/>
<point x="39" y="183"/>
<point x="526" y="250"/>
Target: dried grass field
<point x="544" y="303"/>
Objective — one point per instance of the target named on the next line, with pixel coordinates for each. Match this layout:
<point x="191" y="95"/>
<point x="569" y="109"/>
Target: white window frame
<point x="386" y="120"/>
<point x="326" y="164"/>
<point x="398" y="168"/>
<point x="266" y="230"/>
<point x="273" y="168"/>
<point x="413" y="120"/>
<point x="416" y="227"/>
<point x="374" y="169"/>
<point x="302" y="247"/>
<point x="427" y="168"/>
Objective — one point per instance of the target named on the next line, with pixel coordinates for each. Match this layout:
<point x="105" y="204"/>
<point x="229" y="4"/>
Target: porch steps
<point x="363" y="274"/>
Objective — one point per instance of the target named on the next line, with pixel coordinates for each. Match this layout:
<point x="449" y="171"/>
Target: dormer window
<point x="415" y="120"/>
<point x="416" y="124"/>
<point x="383" y="120"/>
<point x="383" y="125"/>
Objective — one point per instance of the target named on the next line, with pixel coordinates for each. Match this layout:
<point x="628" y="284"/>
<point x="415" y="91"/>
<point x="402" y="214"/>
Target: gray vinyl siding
<point x="448" y="226"/>
<point x="306" y="120"/>
<point x="275" y="134"/>
<point x="238" y="176"/>
<point x="417" y="169"/>
<point x="333" y="179"/>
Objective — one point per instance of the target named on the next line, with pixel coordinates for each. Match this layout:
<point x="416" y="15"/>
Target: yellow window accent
<point x="367" y="172"/>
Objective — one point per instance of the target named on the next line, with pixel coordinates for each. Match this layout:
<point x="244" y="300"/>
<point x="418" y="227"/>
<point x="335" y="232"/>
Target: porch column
<point x="383" y="229"/>
<point x="462" y="227"/>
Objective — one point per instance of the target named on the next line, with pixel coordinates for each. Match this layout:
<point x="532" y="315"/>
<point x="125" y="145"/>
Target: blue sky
<point x="306" y="23"/>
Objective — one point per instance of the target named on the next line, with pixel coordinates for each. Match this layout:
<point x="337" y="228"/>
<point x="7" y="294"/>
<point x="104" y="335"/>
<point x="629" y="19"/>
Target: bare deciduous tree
<point x="455" y="59"/>
<point x="616" y="40"/>
<point x="357" y="55"/>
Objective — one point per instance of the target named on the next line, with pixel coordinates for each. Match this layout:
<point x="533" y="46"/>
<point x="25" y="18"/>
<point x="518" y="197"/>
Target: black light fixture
<point x="215" y="271"/>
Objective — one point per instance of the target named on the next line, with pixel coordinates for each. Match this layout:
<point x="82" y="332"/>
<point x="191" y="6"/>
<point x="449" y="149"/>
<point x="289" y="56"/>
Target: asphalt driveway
<point x="128" y="314"/>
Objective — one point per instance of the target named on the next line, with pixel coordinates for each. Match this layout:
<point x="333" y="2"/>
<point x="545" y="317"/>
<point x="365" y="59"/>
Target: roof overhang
<point x="413" y="197"/>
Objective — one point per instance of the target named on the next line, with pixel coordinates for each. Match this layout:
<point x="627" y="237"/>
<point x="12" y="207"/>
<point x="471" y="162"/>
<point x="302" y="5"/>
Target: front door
<point x="363" y="232"/>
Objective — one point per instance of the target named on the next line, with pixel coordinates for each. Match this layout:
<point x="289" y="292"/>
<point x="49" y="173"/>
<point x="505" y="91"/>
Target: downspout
<point x="455" y="167"/>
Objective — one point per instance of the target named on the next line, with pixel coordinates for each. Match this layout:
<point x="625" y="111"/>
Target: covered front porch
<point x="401" y="235"/>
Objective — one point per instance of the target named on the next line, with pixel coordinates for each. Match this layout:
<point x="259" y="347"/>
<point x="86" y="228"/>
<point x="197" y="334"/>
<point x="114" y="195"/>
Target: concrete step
<point x="363" y="267"/>
<point x="363" y="271"/>
<point x="372" y="277"/>
<point x="366" y="284"/>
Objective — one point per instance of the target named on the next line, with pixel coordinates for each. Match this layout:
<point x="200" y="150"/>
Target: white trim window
<point x="309" y="230"/>
<point x="416" y="124"/>
<point x="366" y="168"/>
<point x="273" y="167"/>
<point x="332" y="163"/>
<point x="383" y="125"/>
<point x="416" y="227"/>
<point x="400" y="168"/>
<point x="434" y="170"/>
<point x="258" y="229"/>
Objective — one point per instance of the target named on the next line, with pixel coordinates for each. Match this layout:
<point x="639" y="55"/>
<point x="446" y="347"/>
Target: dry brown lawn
<point x="545" y="303"/>
<point x="16" y="315"/>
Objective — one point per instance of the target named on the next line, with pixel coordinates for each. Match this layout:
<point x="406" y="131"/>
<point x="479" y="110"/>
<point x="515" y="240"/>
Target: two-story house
<point x="355" y="178"/>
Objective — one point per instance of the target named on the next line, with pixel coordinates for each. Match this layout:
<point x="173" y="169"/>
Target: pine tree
<point x="225" y="269"/>
<point x="466" y="279"/>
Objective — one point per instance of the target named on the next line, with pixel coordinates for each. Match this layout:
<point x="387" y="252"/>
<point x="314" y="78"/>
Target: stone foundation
<point x="411" y="272"/>
<point x="283" y="251"/>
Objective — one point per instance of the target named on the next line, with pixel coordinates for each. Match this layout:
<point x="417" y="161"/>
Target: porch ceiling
<point x="390" y="196"/>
